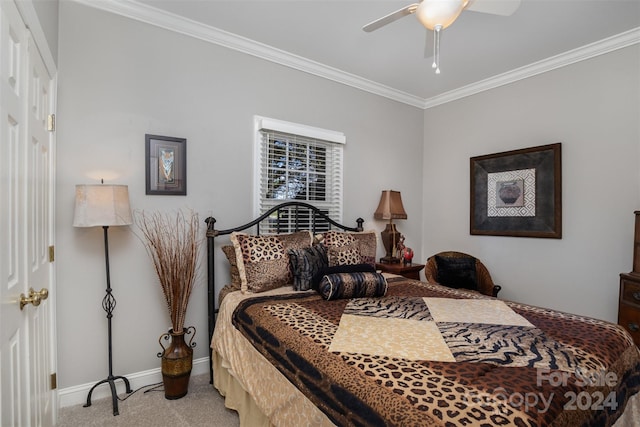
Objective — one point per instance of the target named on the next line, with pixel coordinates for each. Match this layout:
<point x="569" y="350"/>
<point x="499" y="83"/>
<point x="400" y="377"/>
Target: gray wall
<point x="120" y="79"/>
<point x="593" y="109"/>
<point x="47" y="13"/>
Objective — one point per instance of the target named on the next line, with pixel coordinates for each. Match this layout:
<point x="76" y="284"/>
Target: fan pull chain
<point x="436" y="49"/>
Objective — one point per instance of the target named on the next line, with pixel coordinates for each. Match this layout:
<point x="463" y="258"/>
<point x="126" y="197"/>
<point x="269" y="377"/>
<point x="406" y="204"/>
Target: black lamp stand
<point x="108" y="304"/>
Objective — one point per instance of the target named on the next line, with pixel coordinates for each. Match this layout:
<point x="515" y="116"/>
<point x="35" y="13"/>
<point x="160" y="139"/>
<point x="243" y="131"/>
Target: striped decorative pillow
<point x="352" y="285"/>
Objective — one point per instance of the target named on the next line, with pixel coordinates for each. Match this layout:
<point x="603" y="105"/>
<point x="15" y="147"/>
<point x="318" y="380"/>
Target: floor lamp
<point x="104" y="206"/>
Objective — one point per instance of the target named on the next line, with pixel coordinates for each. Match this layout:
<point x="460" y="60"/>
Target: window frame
<point x="333" y="139"/>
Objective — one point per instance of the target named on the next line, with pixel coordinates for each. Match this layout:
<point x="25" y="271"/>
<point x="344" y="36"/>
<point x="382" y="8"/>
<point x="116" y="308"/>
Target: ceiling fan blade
<point x="393" y="16"/>
<point x="495" y="7"/>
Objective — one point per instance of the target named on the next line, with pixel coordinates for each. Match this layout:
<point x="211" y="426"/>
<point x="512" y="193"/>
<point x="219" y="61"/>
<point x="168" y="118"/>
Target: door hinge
<point x="52" y="253"/>
<point x="54" y="381"/>
<point x="51" y="122"/>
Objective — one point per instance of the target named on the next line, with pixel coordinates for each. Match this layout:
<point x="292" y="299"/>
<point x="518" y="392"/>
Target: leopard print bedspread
<point x="413" y="359"/>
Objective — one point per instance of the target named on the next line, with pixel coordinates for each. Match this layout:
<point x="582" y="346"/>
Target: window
<point x="297" y="162"/>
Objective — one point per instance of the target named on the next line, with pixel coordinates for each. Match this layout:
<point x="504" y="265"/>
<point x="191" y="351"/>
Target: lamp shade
<point x="432" y="13"/>
<point x="390" y="206"/>
<point x="102" y="205"/>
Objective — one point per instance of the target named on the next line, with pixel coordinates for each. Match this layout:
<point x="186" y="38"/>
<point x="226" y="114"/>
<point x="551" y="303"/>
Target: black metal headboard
<point x="283" y="218"/>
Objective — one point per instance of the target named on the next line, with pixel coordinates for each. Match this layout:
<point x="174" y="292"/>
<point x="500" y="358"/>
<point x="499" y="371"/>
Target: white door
<point x="39" y="209"/>
<point x="13" y="347"/>
<point x="27" y="359"/>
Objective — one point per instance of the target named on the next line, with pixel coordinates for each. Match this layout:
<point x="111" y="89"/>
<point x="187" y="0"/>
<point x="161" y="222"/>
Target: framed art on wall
<point x="517" y="193"/>
<point x="165" y="165"/>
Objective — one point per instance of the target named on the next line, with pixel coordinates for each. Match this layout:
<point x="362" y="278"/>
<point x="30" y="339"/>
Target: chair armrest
<point x="496" y="289"/>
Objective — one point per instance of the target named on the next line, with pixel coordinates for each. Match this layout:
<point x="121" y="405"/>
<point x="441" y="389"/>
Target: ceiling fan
<point x="436" y="15"/>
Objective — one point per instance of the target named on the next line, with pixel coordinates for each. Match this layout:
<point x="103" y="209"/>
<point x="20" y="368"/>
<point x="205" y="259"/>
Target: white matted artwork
<point x="511" y="193"/>
<point x="535" y="172"/>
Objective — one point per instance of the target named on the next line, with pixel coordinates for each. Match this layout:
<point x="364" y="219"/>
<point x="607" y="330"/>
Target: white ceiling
<point x="327" y="35"/>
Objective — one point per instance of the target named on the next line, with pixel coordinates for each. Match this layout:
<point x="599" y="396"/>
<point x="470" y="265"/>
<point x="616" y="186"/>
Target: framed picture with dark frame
<point x="517" y="193"/>
<point x="165" y="165"/>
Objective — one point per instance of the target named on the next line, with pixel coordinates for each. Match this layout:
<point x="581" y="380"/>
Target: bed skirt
<point x="235" y="397"/>
<point x="281" y="405"/>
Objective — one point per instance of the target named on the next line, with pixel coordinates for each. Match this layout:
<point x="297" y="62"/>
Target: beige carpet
<point x="202" y="406"/>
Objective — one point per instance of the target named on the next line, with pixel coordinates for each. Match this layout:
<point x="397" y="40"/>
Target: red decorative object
<point x="407" y="256"/>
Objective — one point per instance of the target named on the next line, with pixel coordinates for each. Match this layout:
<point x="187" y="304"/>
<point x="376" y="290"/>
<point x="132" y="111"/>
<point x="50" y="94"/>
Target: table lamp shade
<point x="102" y="205"/>
<point x="390" y="206"/>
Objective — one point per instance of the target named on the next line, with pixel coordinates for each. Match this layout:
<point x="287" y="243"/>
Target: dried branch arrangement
<point x="172" y="243"/>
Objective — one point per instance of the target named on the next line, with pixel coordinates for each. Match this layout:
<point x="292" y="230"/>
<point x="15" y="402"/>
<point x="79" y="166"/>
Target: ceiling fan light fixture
<point x="432" y="13"/>
<point x="436" y="49"/>
<point x="436" y="15"/>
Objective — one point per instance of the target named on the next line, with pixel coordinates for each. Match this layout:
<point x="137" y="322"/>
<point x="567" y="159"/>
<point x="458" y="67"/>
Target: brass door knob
<point x="35" y="297"/>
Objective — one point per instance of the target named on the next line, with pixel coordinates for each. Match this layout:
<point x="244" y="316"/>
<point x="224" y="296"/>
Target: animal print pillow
<point x="230" y="252"/>
<point x="306" y="263"/>
<point x="263" y="261"/>
<point x="350" y="248"/>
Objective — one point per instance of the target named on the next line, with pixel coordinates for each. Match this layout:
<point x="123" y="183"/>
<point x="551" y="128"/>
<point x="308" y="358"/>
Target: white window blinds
<point x="297" y="162"/>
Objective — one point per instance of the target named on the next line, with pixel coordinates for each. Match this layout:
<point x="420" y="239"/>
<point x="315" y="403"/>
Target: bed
<point x="364" y="348"/>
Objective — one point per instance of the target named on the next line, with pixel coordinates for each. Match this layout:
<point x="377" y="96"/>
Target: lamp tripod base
<point x="114" y="395"/>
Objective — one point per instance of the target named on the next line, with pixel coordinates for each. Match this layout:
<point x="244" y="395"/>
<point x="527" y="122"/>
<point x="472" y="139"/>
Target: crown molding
<point x="601" y="47"/>
<point x="169" y="21"/>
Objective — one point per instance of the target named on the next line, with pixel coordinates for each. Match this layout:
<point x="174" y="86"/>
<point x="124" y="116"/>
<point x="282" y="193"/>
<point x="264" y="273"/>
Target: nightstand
<point x="410" y="271"/>
<point x="629" y="305"/>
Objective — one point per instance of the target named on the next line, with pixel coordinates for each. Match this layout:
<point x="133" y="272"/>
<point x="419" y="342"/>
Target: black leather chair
<point x="454" y="260"/>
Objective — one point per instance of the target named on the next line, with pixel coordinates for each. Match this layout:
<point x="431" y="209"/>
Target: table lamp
<point x="390" y="207"/>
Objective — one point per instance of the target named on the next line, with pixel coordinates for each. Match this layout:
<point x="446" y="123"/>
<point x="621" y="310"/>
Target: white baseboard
<point x="77" y="395"/>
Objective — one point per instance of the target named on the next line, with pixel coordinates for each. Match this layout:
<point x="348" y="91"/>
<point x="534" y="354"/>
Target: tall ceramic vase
<point x="177" y="360"/>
